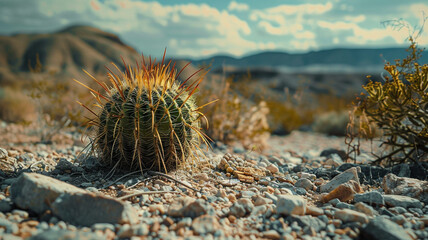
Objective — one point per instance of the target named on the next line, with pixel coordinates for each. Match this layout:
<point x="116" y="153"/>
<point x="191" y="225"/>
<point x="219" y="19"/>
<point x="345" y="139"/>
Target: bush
<point x="234" y="118"/>
<point x="399" y="107"/>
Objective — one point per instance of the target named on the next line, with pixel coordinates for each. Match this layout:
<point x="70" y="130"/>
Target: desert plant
<point x="399" y="107"/>
<point x="234" y="118"/>
<point x="146" y="120"/>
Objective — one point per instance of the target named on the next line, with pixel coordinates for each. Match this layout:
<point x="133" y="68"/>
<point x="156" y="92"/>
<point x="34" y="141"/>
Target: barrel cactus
<point x="146" y="120"/>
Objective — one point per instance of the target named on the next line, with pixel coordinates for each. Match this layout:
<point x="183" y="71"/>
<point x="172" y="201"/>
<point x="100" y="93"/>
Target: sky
<point x="198" y="29"/>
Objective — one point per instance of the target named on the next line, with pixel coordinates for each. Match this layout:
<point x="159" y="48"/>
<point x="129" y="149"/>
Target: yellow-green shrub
<point x="399" y="107"/>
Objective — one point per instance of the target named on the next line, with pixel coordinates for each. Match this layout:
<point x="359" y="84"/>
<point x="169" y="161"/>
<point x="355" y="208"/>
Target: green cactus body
<point x="147" y="121"/>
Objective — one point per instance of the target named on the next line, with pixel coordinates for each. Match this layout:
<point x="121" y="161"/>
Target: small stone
<point x="42" y="189"/>
<point x="21" y="213"/>
<point x="288" y="205"/>
<point x="366" y="209"/>
<point x="382" y="228"/>
<point x="271" y="234"/>
<point x="141" y="230"/>
<point x="53" y="234"/>
<point x="205" y="224"/>
<point x="335" y="160"/>
<point x="348" y="215"/>
<point x="9" y="226"/>
<point x="306" y="221"/>
<point x="3" y="153"/>
<point x="87" y="209"/>
<point x="102" y="226"/>
<point x="157" y="207"/>
<point x="314" y="211"/>
<point x="346" y="176"/>
<point x="272" y="168"/>
<point x="343" y="192"/>
<point x="176" y="208"/>
<point x="402" y="201"/>
<point x="410" y="187"/>
<point x="5" y="205"/>
<point x="258" y="201"/>
<point x="202" y="176"/>
<point x="304" y="183"/>
<point x="371" y="198"/>
<point x="197" y="208"/>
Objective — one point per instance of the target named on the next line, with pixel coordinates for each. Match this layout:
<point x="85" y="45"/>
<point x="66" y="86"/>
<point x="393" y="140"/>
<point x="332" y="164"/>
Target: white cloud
<point x="234" y="6"/>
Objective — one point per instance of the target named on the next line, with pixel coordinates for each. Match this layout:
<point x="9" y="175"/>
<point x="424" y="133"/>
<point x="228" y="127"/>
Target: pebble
<point x="3" y="153"/>
<point x="288" y="205"/>
<point x="343" y="192"/>
<point x="205" y="224"/>
<point x="348" y="215"/>
<point x="402" y="201"/>
<point x="304" y="183"/>
<point x="373" y="197"/>
<point x="346" y="176"/>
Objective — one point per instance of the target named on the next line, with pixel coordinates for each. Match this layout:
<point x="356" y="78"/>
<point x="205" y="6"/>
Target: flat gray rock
<point x="346" y="176"/>
<point x="288" y="204"/>
<point x="87" y="209"/>
<point x="402" y="201"/>
<point x="37" y="192"/>
<point x="372" y="197"/>
<point x="381" y="228"/>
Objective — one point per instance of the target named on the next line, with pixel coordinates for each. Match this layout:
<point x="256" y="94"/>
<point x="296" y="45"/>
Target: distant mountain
<point x="64" y="52"/>
<point x="357" y="60"/>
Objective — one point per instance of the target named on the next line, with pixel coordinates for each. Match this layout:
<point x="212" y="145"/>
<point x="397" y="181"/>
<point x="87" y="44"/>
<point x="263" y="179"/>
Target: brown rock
<point x="348" y="215"/>
<point x="272" y="168"/>
<point x="343" y="192"/>
<point x="314" y="211"/>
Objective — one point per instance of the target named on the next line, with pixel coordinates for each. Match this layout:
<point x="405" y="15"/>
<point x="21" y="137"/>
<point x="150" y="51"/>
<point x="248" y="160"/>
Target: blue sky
<point x="203" y="28"/>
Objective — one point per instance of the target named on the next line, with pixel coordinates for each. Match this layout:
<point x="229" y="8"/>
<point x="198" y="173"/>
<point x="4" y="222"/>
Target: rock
<point x="272" y="168"/>
<point x="10" y="227"/>
<point x="343" y="192"/>
<point x="197" y="208"/>
<point x="3" y="153"/>
<point x="304" y="183"/>
<point x="350" y="174"/>
<point x="271" y="234"/>
<point x="330" y="151"/>
<point x="87" y="209"/>
<point x="314" y="211"/>
<point x="202" y="176"/>
<point x="373" y="197"/>
<point x="64" y="165"/>
<point x="402" y="201"/>
<point x="348" y="215"/>
<point x="307" y="221"/>
<point x="288" y="205"/>
<point x="410" y="187"/>
<point x="335" y="160"/>
<point x="205" y="224"/>
<point x="42" y="189"/>
<point x="241" y="208"/>
<point x="5" y="205"/>
<point x="65" y="235"/>
<point x="382" y="228"/>
<point x="103" y="226"/>
<point x="176" y="208"/>
<point x="259" y="200"/>
<point x="366" y="209"/>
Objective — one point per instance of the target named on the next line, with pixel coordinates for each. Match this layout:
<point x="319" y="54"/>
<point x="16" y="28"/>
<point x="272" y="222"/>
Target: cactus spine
<point x="146" y="120"/>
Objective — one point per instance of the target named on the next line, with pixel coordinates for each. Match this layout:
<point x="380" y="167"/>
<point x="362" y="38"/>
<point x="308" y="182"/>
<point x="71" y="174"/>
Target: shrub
<point x="399" y="107"/>
<point x="234" y="118"/>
